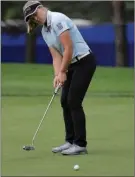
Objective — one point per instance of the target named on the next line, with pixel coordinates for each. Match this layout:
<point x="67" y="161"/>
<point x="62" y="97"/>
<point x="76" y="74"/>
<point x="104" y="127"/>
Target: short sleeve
<point x="60" y="27"/>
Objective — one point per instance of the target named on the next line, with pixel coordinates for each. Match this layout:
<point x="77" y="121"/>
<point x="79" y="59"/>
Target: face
<point x="39" y="16"/>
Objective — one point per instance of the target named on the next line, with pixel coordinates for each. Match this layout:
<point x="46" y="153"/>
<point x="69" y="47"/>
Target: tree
<point x="120" y="30"/>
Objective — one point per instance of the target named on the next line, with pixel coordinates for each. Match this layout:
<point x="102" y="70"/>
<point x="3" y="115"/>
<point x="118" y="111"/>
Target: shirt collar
<point x="48" y="18"/>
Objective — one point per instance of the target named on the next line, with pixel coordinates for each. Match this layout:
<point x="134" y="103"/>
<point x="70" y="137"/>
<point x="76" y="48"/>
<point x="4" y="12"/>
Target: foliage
<point x="97" y="11"/>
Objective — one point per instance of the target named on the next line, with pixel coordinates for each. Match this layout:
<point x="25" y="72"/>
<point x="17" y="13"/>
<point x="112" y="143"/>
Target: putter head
<point x="28" y="148"/>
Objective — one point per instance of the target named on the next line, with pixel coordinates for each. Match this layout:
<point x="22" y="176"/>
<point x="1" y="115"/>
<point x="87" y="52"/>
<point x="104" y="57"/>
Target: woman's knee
<point x="73" y="103"/>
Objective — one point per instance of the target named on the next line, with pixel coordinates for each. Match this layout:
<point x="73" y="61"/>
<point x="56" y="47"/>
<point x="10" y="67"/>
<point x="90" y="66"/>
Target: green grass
<point x="109" y="105"/>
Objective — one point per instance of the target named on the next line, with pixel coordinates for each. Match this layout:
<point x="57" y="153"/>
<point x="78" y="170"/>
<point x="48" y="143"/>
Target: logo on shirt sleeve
<point x="59" y="25"/>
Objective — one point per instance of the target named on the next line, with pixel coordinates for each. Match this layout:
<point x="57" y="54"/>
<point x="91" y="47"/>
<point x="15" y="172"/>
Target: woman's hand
<point x="61" y="78"/>
<point x="55" y="82"/>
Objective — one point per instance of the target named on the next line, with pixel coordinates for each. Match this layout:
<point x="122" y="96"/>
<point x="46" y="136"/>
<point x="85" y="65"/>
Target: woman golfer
<point x="74" y="66"/>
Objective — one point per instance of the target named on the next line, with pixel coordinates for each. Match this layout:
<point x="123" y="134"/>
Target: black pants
<point x="74" y="89"/>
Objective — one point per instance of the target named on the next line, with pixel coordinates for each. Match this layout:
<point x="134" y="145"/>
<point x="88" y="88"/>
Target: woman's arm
<point x="57" y="60"/>
<point x="68" y="50"/>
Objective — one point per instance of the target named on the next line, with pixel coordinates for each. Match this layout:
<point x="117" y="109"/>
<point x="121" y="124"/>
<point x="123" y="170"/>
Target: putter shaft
<point x="42" y="120"/>
<point x="55" y="92"/>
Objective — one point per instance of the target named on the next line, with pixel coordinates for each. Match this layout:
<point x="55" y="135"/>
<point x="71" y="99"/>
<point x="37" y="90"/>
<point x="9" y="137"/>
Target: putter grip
<point x="57" y="88"/>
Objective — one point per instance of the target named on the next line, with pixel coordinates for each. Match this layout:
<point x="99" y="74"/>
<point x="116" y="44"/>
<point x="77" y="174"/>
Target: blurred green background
<point x="109" y="106"/>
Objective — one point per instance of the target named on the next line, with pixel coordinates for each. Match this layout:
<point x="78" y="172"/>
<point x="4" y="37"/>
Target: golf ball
<point x="76" y="167"/>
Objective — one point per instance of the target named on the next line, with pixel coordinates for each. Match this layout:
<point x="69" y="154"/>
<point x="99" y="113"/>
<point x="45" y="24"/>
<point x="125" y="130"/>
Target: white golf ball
<point x="76" y="167"/>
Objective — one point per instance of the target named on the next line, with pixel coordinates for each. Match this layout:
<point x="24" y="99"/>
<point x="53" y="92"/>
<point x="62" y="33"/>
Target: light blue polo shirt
<point x="58" y="23"/>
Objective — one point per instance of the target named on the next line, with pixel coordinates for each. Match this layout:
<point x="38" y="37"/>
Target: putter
<point x="31" y="147"/>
